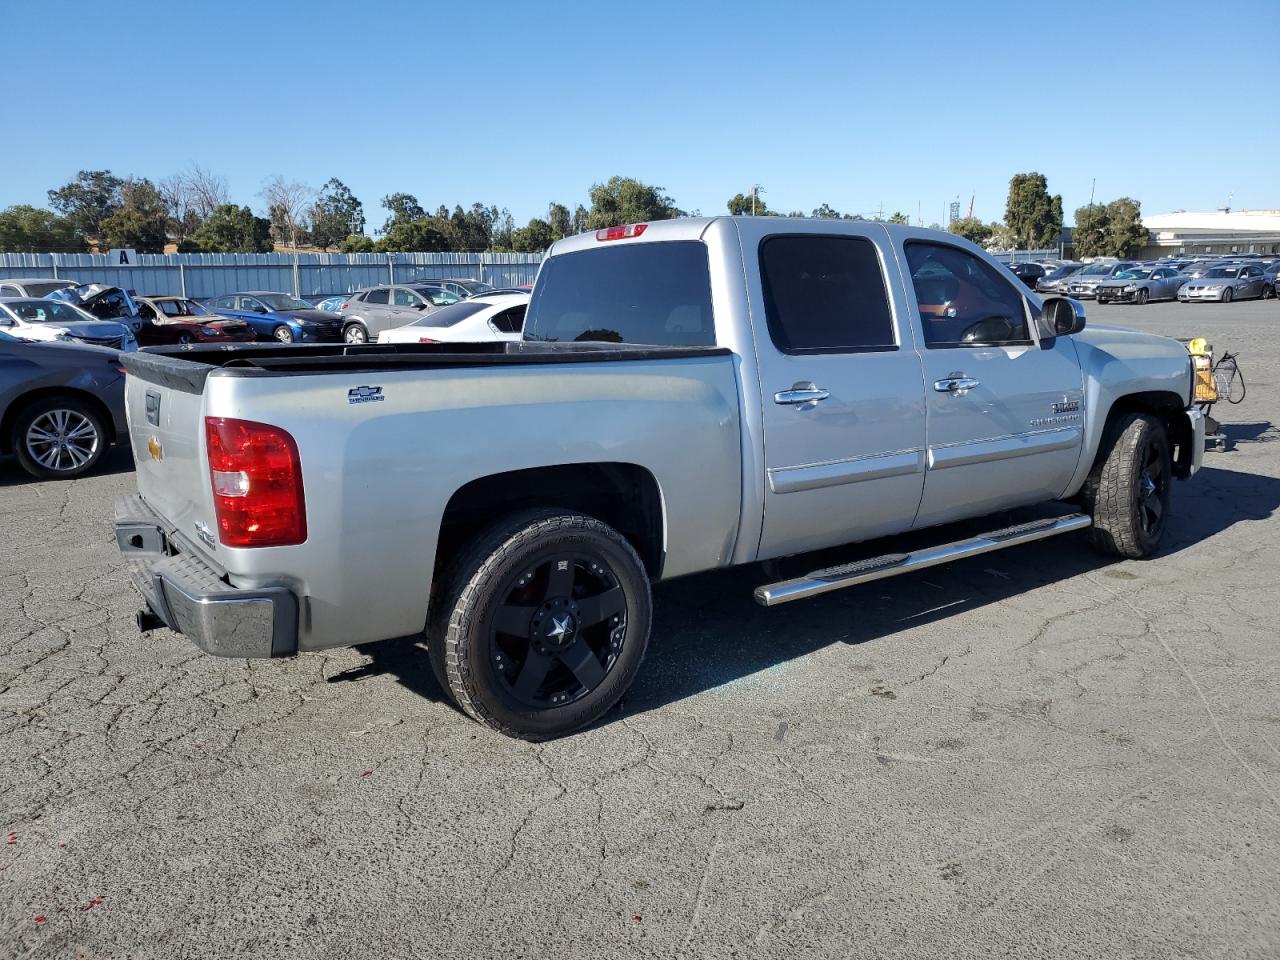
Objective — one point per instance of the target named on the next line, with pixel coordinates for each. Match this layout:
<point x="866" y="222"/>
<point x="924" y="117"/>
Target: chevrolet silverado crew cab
<point x="689" y="394"/>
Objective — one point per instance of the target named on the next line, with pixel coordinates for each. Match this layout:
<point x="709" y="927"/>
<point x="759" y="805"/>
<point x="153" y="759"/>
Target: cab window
<point x="962" y="300"/>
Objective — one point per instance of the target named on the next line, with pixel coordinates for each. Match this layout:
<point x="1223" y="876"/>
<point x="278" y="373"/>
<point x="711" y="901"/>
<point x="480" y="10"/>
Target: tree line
<point x="193" y="210"/>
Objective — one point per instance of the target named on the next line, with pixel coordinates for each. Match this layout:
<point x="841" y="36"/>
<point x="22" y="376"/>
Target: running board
<point x="892" y="564"/>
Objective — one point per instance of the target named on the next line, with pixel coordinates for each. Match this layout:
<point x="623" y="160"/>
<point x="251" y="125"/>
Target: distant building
<point x="1223" y="231"/>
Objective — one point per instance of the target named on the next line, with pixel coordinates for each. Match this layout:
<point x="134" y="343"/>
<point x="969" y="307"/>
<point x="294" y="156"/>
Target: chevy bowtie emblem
<point x="155" y="449"/>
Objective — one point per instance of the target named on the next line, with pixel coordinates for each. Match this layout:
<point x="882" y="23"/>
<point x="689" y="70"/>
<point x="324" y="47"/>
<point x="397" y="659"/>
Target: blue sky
<point x="518" y="104"/>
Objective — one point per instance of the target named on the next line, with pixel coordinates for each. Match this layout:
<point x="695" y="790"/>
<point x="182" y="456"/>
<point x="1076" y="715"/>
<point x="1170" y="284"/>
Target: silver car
<point x="1141" y="285"/>
<point x="33" y="286"/>
<point x="51" y="320"/>
<point x="1057" y="279"/>
<point x="1234" y="281"/>
<point x="368" y="312"/>
<point x="1083" y="285"/>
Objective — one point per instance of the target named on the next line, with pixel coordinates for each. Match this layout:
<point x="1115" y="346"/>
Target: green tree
<point x="560" y="220"/>
<point x="232" y="229"/>
<point x="828" y="212"/>
<point x="1125" y="233"/>
<point x="27" y="229"/>
<point x="1090" y="235"/>
<point x="88" y="200"/>
<point x="1034" y="218"/>
<point x="899" y="217"/>
<point x="357" y="243"/>
<point x="425" y="234"/>
<point x="972" y="229"/>
<point x="141" y="221"/>
<point x="534" y="237"/>
<point x="625" y="200"/>
<point x="472" y="229"/>
<point x="402" y="208"/>
<point x="579" y="222"/>
<point x="740" y="206"/>
<point x="336" y="215"/>
<point x="504" y="227"/>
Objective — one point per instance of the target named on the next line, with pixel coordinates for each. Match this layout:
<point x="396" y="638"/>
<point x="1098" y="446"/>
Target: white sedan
<point x="486" y="318"/>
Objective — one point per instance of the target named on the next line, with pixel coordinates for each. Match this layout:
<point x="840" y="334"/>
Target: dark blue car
<point x="280" y="316"/>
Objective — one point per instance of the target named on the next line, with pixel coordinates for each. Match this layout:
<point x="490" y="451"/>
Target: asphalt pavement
<point x="1035" y="753"/>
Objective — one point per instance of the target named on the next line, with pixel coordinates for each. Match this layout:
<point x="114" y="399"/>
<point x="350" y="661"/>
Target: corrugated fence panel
<point x="204" y="275"/>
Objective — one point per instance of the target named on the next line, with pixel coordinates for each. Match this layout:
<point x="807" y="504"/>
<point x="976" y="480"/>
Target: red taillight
<point x="621" y="233"/>
<point x="344" y="306"/>
<point x="425" y="340"/>
<point x="257" y="483"/>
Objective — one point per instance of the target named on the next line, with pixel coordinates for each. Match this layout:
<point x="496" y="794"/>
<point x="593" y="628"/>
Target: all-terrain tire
<point x="1127" y="492"/>
<point x="477" y="582"/>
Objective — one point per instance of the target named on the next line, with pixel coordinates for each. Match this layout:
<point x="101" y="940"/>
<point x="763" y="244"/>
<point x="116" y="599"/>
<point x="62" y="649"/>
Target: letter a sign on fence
<point x="123" y="257"/>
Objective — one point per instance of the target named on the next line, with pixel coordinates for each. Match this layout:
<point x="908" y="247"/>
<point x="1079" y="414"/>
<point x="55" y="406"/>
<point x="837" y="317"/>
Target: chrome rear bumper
<point x="186" y="593"/>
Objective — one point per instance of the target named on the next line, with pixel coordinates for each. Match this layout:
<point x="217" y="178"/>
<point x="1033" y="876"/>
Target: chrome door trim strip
<point x="832" y="473"/>
<point x="1003" y="448"/>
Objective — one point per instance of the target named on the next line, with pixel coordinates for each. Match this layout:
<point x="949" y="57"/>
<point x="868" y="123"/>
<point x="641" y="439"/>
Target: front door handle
<point x="956" y="385"/>
<point x="800" y="393"/>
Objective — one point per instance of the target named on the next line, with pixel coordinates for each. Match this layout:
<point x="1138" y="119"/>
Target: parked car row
<point x="1186" y="280"/>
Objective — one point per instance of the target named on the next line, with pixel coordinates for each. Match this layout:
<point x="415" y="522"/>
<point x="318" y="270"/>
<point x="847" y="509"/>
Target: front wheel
<point x="1226" y="295"/>
<point x="1142" y="296"/>
<point x="541" y="625"/>
<point x="283" y="334"/>
<point x="355" y="333"/>
<point x="1127" y="493"/>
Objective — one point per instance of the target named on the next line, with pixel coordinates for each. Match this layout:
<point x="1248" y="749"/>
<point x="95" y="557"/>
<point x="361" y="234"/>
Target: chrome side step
<point x="892" y="564"/>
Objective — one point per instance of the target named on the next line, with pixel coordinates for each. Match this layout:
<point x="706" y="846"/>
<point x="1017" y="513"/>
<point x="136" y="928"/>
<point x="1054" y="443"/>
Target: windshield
<point x="474" y="287"/>
<point x="282" y="301"/>
<point x="1223" y="273"/>
<point x="450" y="315"/>
<point x="1133" y="274"/>
<point x="182" y="308"/>
<point x="1097" y="270"/>
<point x="435" y="296"/>
<point x="48" y="311"/>
<point x="1061" y="272"/>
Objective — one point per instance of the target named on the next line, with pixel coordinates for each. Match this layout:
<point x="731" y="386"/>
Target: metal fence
<point x="203" y="275"/>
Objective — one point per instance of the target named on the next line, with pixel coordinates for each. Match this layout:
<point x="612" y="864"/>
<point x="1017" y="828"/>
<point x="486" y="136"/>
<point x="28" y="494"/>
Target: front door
<point x="1005" y="410"/>
<point x="842" y="395"/>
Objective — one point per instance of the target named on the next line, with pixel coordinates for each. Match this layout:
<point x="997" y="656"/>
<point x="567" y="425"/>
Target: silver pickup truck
<point x="689" y="394"/>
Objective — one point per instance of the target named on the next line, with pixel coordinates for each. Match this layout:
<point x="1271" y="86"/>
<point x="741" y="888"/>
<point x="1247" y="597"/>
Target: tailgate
<point x="166" y="429"/>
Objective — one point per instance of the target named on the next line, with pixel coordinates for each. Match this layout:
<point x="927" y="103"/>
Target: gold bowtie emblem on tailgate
<point x="154" y="448"/>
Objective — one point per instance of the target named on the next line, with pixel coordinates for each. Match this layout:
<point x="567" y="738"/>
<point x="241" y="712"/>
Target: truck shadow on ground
<point x="116" y="459"/>
<point x="708" y="631"/>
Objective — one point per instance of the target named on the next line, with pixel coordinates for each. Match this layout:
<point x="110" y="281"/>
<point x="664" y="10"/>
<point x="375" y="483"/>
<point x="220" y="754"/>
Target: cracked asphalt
<point x="1035" y="753"/>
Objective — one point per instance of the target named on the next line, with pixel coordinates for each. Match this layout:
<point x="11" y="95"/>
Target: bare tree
<point x="206" y="191"/>
<point x="289" y="206"/>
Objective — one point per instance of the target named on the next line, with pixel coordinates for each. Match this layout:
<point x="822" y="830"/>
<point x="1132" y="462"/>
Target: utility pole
<point x="1092" y="189"/>
<point x="755" y="191"/>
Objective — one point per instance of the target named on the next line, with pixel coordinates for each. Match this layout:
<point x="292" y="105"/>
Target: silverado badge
<point x="364" y="395"/>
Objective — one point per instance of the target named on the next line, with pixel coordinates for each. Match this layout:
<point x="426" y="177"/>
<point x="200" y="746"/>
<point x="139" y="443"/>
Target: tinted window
<point x="450" y="315"/>
<point x="509" y="321"/>
<point x="656" y="293"/>
<point x="376" y="296"/>
<point x="825" y="293"/>
<point x="7" y="291"/>
<point x="963" y="301"/>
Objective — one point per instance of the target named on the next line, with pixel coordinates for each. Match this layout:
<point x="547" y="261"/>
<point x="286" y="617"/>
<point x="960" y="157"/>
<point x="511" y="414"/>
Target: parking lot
<point x="1033" y="753"/>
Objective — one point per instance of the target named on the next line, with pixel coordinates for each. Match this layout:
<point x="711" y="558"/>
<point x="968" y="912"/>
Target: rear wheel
<point x="541" y="625"/>
<point x="59" y="438"/>
<point x="1127" y="493"/>
<point x="283" y="334"/>
<point x="355" y="333"/>
<point x="1268" y="292"/>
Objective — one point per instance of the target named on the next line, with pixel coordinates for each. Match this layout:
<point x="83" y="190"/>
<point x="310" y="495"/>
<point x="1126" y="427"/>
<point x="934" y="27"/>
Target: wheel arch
<point x="15" y="409"/>
<point x="624" y="495"/>
<point x="1165" y="405"/>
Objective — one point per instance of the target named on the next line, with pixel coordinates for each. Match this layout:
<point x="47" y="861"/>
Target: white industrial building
<point x="1222" y="231"/>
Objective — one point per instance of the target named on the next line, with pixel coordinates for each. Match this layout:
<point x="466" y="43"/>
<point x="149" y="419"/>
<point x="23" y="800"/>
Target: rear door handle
<point x="957" y="385"/>
<point x="803" y="392"/>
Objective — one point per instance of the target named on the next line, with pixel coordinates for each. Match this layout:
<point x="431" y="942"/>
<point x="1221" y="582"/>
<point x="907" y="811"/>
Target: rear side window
<point x="376" y="296"/>
<point x="825" y="294"/>
<point x="510" y="320"/>
<point x="653" y="293"/>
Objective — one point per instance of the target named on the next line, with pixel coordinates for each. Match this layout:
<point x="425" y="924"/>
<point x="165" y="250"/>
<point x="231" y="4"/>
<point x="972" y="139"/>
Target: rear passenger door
<point x="1005" y="410"/>
<point x="843" y="397"/>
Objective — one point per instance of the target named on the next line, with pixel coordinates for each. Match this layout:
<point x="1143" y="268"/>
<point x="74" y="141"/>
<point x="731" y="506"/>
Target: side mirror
<point x="259" y="309"/>
<point x="1062" y="315"/>
<point x="421" y="305"/>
